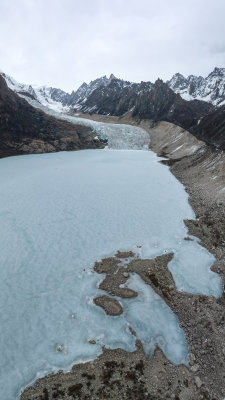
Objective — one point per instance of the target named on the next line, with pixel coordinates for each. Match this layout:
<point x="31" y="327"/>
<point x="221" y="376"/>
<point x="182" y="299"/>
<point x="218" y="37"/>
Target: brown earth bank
<point x="117" y="374"/>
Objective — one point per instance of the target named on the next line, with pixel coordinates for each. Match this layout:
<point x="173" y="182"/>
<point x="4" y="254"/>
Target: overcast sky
<point x="65" y="42"/>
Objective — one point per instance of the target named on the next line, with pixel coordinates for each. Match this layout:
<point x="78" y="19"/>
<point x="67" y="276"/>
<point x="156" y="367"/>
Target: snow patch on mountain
<point x="46" y="96"/>
<point x="210" y="89"/>
<point x="51" y="97"/>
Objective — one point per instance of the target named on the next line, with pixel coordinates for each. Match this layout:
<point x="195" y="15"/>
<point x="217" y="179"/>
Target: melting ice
<point x="150" y="317"/>
<point x="59" y="213"/>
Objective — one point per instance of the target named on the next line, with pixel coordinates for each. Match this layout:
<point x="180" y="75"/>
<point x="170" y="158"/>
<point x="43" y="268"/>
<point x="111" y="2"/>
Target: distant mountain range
<point x="194" y="103"/>
<point x="210" y="89"/>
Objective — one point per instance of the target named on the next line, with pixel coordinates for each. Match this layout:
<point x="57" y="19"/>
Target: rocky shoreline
<point x="201" y="169"/>
<point x="117" y="374"/>
<point x="122" y="375"/>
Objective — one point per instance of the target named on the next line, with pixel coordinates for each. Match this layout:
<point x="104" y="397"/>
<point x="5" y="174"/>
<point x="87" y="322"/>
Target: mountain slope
<point x="163" y="104"/>
<point x="24" y="129"/>
<point x="212" y="128"/>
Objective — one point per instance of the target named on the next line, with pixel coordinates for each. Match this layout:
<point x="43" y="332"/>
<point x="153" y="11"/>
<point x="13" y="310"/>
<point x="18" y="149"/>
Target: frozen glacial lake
<point x="61" y="212"/>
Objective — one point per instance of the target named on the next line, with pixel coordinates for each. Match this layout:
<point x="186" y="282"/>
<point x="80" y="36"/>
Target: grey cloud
<point x="63" y="43"/>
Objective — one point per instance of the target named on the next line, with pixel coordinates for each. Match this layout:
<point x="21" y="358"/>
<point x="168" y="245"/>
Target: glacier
<point x="118" y="136"/>
<point x="59" y="213"/>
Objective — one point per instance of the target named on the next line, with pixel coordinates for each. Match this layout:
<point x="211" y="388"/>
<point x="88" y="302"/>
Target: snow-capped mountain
<point x="210" y="89"/>
<point x="47" y="96"/>
<point x="112" y="95"/>
<point x="87" y="97"/>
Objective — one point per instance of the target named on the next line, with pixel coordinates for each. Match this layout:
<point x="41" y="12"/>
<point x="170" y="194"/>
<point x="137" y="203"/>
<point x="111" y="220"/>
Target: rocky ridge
<point x="210" y="89"/>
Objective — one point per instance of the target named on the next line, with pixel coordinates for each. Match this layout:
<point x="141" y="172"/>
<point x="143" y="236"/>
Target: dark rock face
<point x="211" y="129"/>
<point x="79" y="96"/>
<point x="24" y="129"/>
<point x="162" y="103"/>
<point x="146" y="101"/>
<point x="114" y="97"/>
<point x="113" y="100"/>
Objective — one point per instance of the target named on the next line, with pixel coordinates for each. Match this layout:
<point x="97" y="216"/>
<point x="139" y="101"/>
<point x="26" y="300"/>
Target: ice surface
<point x="150" y="317"/>
<point x="58" y="214"/>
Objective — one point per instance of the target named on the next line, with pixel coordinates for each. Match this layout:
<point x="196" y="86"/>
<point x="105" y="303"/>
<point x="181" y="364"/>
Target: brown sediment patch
<point x="92" y="341"/>
<point x="154" y="272"/>
<point x="109" y="305"/>
<point x="124" y="254"/>
<point x="108" y="265"/>
<point x="114" y="278"/>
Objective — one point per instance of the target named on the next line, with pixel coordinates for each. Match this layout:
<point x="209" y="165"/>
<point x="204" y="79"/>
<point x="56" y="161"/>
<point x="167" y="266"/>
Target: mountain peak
<point x="218" y="72"/>
<point x="178" y="75"/>
<point x="112" y="77"/>
<point x="159" y="81"/>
